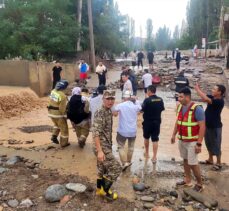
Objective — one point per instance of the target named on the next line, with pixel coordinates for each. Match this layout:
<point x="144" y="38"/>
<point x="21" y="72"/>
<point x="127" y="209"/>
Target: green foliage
<point x="49" y="29"/>
<point x="203" y="18"/>
<point x="162" y="39"/>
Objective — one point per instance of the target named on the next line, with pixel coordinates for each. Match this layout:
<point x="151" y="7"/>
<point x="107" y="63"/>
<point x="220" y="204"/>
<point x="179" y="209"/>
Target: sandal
<point x="198" y="188"/>
<point x="183" y="183"/>
<point x="217" y="167"/>
<point x="206" y="162"/>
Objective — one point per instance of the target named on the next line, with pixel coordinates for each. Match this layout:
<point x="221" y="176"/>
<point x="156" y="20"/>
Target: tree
<point x="163" y="37"/>
<point x="149" y="44"/>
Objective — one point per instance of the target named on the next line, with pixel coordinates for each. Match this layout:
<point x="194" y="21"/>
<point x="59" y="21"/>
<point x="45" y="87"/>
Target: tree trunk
<point x="79" y="13"/>
<point x="91" y="35"/>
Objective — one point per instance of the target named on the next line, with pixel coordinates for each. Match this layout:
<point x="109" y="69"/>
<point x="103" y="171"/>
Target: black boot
<point x="106" y="186"/>
<point x="54" y="139"/>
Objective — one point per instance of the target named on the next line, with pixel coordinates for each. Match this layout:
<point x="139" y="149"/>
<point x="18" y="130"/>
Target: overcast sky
<point x="162" y="12"/>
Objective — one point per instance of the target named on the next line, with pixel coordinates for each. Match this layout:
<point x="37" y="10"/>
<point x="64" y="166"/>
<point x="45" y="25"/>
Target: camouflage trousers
<point x="109" y="168"/>
<point x="82" y="130"/>
<point x="61" y="126"/>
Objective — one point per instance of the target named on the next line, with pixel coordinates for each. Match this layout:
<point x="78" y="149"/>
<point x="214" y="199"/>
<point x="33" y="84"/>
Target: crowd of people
<point x="96" y="114"/>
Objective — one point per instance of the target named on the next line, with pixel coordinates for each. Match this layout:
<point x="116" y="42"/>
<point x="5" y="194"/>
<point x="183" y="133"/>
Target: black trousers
<point x="102" y="79"/>
<point x="54" y="83"/>
<point x="140" y="63"/>
<point x="178" y="65"/>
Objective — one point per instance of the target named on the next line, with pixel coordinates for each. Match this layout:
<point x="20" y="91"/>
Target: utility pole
<point x="79" y="13"/>
<point x="91" y="35"/>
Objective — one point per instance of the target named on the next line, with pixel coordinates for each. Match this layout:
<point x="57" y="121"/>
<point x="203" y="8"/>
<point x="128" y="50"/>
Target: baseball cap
<point x="109" y="94"/>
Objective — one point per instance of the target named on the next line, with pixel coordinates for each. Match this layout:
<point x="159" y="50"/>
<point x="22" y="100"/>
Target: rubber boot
<point x="54" y="139"/>
<point x="64" y="141"/>
<point x="106" y="186"/>
<point x="99" y="190"/>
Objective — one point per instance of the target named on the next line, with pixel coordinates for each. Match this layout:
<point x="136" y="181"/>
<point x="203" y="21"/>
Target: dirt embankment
<point x="17" y="103"/>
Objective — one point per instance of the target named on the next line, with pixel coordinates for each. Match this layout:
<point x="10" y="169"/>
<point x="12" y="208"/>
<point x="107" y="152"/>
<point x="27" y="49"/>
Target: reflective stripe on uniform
<point x="181" y="82"/>
<point x="187" y="137"/>
<point x="55" y="96"/>
<point x="57" y="116"/>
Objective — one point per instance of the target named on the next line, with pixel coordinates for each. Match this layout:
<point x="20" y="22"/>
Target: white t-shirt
<point x="127" y="86"/>
<point x="128" y="114"/>
<point x="147" y="78"/>
<point x="95" y="104"/>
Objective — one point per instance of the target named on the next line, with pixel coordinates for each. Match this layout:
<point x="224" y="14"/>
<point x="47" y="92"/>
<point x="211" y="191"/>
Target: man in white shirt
<point x="127" y="84"/>
<point x="147" y="79"/>
<point x="96" y="102"/>
<point x="127" y="127"/>
<point x="101" y="70"/>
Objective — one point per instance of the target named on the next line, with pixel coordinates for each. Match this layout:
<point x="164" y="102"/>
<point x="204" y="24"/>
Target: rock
<point x="148" y="205"/>
<point x="139" y="187"/>
<point x="13" y="203"/>
<point x="35" y="176"/>
<point x="188" y="208"/>
<point x="13" y="141"/>
<point x="173" y="159"/>
<point x="30" y="165"/>
<point x="13" y="160"/>
<point x="147" y="198"/>
<point x="173" y="193"/>
<point x="26" y="203"/>
<point x="160" y="208"/>
<point x="55" y="193"/>
<point x="77" y="187"/>
<point x="29" y="142"/>
<point x="2" y="170"/>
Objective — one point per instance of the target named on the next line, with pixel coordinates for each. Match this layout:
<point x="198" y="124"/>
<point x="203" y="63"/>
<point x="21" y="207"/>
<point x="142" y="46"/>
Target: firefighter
<point x="57" y="113"/>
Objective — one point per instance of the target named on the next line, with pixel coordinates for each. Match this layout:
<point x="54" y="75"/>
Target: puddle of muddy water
<point x="35" y="129"/>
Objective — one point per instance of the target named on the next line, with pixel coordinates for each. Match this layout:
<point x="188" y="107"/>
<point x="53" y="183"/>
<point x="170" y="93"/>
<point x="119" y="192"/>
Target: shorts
<point x="83" y="75"/>
<point x="150" y="61"/>
<point x="213" y="137"/>
<point x="133" y="63"/>
<point x="121" y="140"/>
<point x="151" y="130"/>
<point x="187" y="152"/>
<point x="145" y="90"/>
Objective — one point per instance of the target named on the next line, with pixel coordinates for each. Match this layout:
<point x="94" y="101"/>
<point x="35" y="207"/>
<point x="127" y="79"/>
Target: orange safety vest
<point x="187" y="126"/>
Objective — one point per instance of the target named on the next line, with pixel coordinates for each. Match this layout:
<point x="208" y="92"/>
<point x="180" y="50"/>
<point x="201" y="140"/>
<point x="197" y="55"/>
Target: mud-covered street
<point x="26" y="129"/>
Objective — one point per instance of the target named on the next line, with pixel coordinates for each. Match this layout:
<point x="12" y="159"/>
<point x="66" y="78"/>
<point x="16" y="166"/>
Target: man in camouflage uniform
<point x="108" y="167"/>
<point x="57" y="112"/>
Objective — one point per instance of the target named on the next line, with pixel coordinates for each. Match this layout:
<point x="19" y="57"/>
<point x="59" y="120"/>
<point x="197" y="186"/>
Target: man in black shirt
<point x="213" y="134"/>
<point x="180" y="81"/>
<point x="152" y="108"/>
<point x="140" y="57"/>
<point x="178" y="59"/>
<point x="56" y="75"/>
<point x="150" y="57"/>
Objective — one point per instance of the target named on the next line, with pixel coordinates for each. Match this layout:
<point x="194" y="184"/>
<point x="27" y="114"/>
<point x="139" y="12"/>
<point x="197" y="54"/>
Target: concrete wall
<point x="14" y="73"/>
<point x="36" y="75"/>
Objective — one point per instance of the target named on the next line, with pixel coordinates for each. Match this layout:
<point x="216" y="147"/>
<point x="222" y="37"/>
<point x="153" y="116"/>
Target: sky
<point x="162" y="12"/>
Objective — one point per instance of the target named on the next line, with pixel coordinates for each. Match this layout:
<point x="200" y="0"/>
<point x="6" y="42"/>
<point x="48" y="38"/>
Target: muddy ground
<point x="25" y="131"/>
